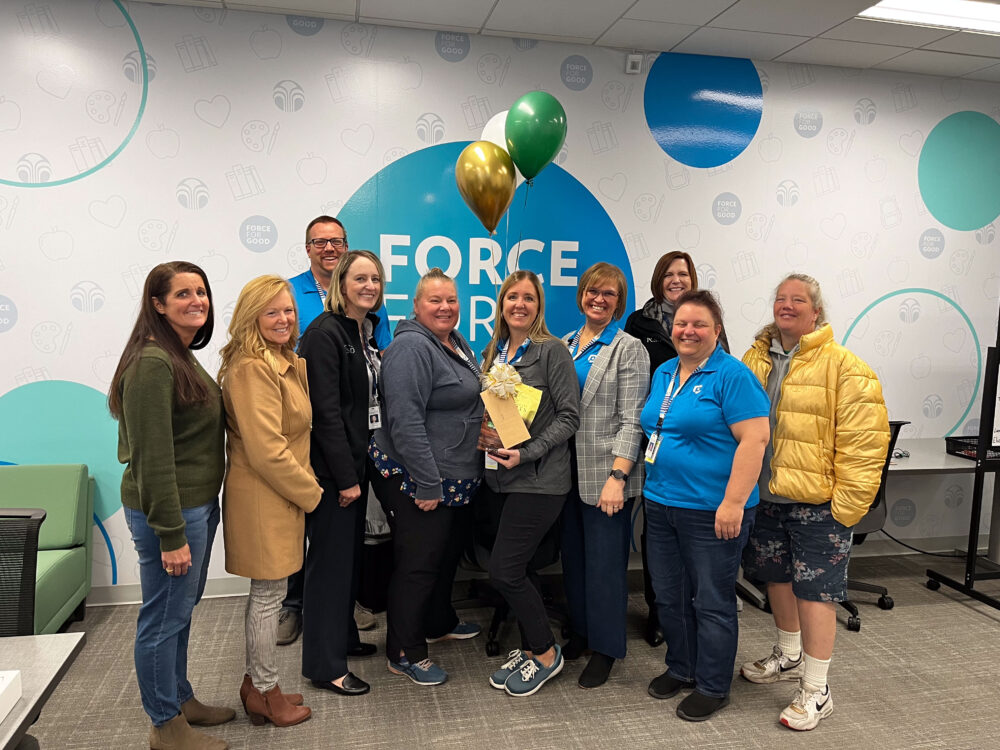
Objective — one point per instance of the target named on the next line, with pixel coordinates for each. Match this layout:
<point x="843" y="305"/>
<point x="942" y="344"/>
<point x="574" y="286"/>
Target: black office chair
<point x="18" y="562"/>
<point x="872" y="521"/>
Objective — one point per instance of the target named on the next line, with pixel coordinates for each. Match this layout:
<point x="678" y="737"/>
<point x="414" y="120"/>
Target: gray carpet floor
<point x="923" y="675"/>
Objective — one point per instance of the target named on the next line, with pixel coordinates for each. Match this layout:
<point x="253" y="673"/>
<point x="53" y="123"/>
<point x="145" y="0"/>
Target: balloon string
<point x="520" y="231"/>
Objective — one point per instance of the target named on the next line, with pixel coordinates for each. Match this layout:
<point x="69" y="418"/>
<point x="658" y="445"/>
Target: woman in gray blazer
<point x="612" y="369"/>
<point x="530" y="480"/>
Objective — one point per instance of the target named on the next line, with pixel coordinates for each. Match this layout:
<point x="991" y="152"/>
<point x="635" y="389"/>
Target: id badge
<point x="653" y="448"/>
<point x="491" y="463"/>
<point x="374" y="417"/>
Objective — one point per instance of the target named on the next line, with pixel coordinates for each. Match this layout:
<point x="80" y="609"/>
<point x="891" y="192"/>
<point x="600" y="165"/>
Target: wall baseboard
<point x="130" y="593"/>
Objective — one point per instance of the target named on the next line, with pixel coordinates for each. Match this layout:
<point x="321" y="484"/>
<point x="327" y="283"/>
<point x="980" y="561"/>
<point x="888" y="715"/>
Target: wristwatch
<point x="619" y="474"/>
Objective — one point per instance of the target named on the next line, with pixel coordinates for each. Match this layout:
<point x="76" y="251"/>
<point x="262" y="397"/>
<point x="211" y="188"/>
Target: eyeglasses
<point x="320" y="242"/>
<point x="606" y="293"/>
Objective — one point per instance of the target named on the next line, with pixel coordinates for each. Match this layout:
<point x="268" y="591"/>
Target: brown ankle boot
<point x="198" y="714"/>
<point x="177" y="734"/>
<point x="274" y="707"/>
<point x="294" y="698"/>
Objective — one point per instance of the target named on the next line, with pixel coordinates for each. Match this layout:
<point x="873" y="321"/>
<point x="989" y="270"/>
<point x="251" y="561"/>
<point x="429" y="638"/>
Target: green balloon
<point x="535" y="131"/>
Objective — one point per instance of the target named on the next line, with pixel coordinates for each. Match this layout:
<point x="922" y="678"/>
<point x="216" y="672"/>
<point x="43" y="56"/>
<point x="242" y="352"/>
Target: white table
<point x="928" y="456"/>
<point x="43" y="660"/>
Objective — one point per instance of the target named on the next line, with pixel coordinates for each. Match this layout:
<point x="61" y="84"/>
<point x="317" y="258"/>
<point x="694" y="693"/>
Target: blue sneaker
<point x="529" y="679"/>
<point x="423" y="672"/>
<point x="514" y="662"/>
<point x="461" y="632"/>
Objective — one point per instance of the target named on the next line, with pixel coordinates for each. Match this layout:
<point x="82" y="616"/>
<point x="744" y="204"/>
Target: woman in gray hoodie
<point x="531" y="479"/>
<point x="428" y="467"/>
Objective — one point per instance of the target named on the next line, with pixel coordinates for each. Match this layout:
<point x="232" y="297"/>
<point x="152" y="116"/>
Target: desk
<point x="42" y="661"/>
<point x="927" y="456"/>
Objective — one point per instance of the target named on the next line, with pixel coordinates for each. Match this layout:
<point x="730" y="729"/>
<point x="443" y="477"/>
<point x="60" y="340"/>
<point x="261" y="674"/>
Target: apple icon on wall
<point x="311" y="169"/>
<point x="164" y="143"/>
<point x="265" y="43"/>
<point x="56" y="244"/>
<point x="10" y="114"/>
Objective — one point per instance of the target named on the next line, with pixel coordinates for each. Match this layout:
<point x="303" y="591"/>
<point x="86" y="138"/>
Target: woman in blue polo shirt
<point x="706" y="420"/>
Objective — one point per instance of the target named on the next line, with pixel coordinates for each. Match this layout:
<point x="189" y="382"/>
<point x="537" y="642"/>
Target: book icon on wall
<point x="244" y="181"/>
<point x="195" y="54"/>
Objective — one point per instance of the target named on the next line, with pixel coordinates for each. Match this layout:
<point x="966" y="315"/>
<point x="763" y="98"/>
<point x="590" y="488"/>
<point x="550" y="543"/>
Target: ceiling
<point x="817" y="32"/>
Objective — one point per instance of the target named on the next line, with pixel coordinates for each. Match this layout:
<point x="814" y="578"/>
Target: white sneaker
<point x="809" y="705"/>
<point x="775" y="667"/>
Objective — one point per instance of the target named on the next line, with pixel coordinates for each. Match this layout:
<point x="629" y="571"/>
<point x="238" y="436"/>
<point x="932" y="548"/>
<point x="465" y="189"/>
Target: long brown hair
<point x="189" y="388"/>
<point x="537" y="332"/>
<point x="661" y="268"/>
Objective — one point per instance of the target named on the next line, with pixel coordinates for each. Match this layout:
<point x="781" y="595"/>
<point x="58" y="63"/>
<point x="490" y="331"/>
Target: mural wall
<point x="133" y="134"/>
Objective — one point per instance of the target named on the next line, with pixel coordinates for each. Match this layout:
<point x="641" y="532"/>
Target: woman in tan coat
<point x="269" y="482"/>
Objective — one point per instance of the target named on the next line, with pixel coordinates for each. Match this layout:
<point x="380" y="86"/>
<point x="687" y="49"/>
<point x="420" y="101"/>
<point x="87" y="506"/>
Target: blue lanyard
<point x="470" y="363"/>
<point x="671" y="394"/>
<point x="502" y="354"/>
<point x="319" y="288"/>
<point x="576" y="342"/>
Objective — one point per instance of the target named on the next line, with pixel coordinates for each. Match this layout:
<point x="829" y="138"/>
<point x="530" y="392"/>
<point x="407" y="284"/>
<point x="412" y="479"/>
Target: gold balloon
<point x="485" y="177"/>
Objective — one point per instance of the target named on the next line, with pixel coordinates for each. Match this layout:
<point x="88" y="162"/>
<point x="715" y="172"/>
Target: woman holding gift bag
<point x="531" y="480"/>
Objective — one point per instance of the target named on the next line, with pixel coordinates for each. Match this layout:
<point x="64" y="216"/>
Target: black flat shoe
<point x="698" y="707"/>
<point x="597" y="670"/>
<point x="667" y="686"/>
<point x="352" y="685"/>
<point x="362" y="649"/>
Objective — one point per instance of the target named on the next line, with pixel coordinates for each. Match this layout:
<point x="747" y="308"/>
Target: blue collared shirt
<point x="586" y="358"/>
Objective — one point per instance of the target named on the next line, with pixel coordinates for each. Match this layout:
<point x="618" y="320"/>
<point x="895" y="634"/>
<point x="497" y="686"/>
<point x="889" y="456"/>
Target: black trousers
<point x="425" y="558"/>
<point x="524" y="522"/>
<point x="331" y="574"/>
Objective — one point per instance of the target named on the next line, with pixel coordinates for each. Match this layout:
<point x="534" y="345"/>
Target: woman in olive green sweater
<point x="170" y="438"/>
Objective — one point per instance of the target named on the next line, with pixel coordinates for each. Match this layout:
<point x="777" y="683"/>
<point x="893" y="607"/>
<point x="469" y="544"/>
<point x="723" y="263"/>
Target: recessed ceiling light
<point x="962" y="15"/>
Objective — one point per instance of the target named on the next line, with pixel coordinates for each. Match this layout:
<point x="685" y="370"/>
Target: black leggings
<point x="524" y="521"/>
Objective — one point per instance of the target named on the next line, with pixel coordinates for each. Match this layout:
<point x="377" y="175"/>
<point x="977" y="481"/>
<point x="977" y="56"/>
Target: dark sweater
<point x="174" y="455"/>
<point x="339" y="392"/>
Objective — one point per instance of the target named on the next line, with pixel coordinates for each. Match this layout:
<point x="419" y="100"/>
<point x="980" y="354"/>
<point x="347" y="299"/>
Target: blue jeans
<point x="164" y="624"/>
<point x="694" y="577"/>
<point x="594" y="562"/>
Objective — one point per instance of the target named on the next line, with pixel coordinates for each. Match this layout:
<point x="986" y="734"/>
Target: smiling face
<point x="361" y="287"/>
<point x="437" y="307"/>
<point x="599" y="302"/>
<point x="794" y="313"/>
<point x="322" y="260"/>
<point x="695" y="333"/>
<point x="676" y="280"/>
<point x="185" y="306"/>
<point x="277" y="321"/>
<point x="520" y="307"/>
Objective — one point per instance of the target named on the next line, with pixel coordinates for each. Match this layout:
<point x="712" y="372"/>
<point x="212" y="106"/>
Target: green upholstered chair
<point x="65" y="549"/>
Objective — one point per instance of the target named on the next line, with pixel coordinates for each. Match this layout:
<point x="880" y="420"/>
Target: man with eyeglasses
<point x="326" y="241"/>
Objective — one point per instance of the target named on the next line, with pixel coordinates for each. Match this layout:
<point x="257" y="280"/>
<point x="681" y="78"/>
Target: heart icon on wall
<point x="359" y="140"/>
<point x="56" y="81"/>
<point x="833" y="226"/>
<point x="110" y="213"/>
<point x="613" y="187"/>
<point x="214" y="111"/>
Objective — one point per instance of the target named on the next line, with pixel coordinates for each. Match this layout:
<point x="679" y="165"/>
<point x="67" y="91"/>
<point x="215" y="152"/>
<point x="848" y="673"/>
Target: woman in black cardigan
<point x="343" y="365"/>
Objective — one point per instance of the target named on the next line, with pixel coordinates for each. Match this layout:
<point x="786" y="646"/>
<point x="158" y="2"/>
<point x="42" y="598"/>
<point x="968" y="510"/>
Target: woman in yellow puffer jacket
<point x="821" y="471"/>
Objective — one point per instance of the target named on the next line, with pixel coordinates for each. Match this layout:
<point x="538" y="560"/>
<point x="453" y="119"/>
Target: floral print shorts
<point x="802" y="544"/>
<point x="457" y="492"/>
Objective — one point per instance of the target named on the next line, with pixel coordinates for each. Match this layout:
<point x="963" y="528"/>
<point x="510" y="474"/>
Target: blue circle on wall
<point x="703" y="110"/>
<point x="959" y="171"/>
<point x="412" y="215"/>
<point x="61" y="422"/>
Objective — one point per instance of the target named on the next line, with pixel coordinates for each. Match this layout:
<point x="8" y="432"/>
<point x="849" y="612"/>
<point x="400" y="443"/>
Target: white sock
<point x="814" y="674"/>
<point x="790" y="644"/>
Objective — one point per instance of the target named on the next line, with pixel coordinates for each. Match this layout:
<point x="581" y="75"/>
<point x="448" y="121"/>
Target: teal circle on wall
<point x="61" y="422"/>
<point x="128" y="136"/>
<point x="959" y="171"/>
<point x="965" y="318"/>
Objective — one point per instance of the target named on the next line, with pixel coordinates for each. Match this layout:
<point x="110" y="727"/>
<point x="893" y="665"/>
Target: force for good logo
<point x="412" y="216"/>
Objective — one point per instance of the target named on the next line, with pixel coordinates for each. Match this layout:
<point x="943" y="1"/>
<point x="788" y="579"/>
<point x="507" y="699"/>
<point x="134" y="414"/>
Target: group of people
<point x="765" y="463"/>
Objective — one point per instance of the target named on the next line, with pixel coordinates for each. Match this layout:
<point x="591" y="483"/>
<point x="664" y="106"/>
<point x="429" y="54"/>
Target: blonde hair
<point x="600" y="272"/>
<point x="433" y="274"/>
<point x="815" y="298"/>
<point x="538" y="330"/>
<point x="335" y="300"/>
<point x="245" y="338"/>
